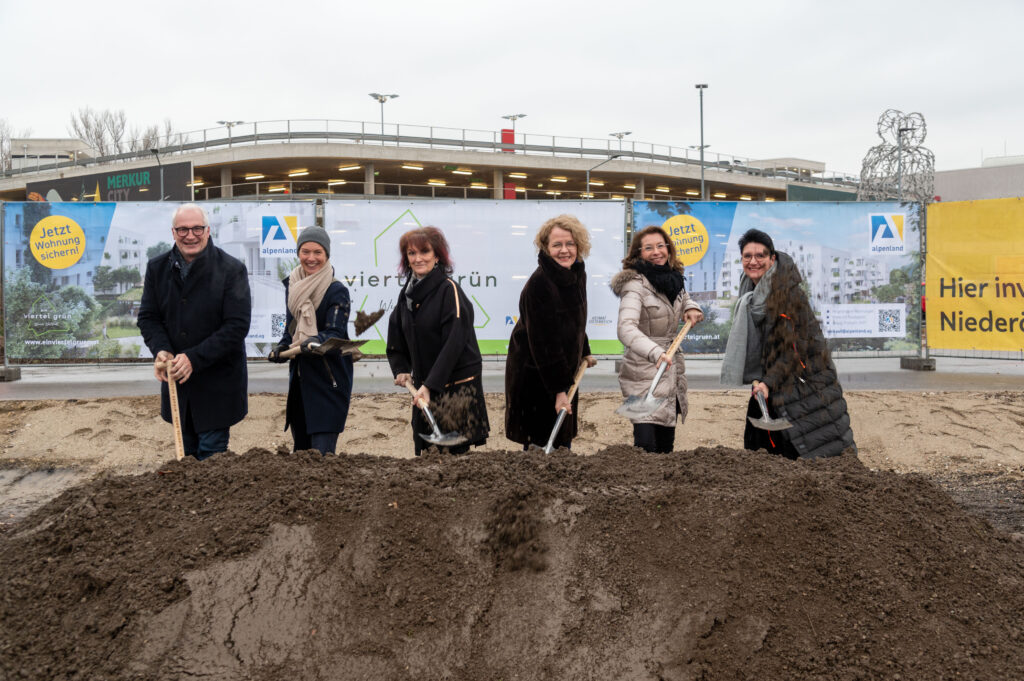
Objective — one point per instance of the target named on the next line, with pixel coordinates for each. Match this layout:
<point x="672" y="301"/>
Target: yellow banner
<point x="975" y="275"/>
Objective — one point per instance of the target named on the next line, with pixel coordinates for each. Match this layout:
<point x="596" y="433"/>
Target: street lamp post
<point x="620" y="135"/>
<point x="229" y="125"/>
<point x="701" y="87"/>
<point x="610" y="158"/>
<point x="514" y="118"/>
<point x="899" y="161"/>
<point x="382" y="98"/>
<point x="156" y="155"/>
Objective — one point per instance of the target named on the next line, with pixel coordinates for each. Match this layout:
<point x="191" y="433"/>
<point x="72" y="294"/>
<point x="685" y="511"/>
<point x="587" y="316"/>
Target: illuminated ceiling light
<point x="298" y="173"/>
<point x="719" y="195"/>
<point x="693" y="192"/>
<point x="584" y="195"/>
<point x="437" y="183"/>
<point x="195" y="183"/>
<point x="629" y="186"/>
<point x="769" y="198"/>
<point x="559" y="179"/>
<point x="618" y="196"/>
<point x="663" y="190"/>
<point x="278" y="188"/>
<point x="597" y="183"/>
<point x="744" y="197"/>
<point x="521" y="189"/>
<point x="479" y="185"/>
<point x="254" y="176"/>
<point x="344" y="168"/>
<point x="331" y="183"/>
<point x="520" y="176"/>
<point x="143" y="189"/>
<point x="408" y="166"/>
<point x="552" y="193"/>
<point x="462" y="171"/>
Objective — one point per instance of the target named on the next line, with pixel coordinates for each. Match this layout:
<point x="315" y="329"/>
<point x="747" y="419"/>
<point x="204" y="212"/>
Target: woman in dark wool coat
<point x="776" y="340"/>
<point x="549" y="341"/>
<point x="432" y="342"/>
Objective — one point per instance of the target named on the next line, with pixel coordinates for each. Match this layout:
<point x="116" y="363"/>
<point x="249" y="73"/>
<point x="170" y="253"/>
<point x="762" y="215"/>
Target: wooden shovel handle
<point x="577" y="379"/>
<point x="172" y="393"/>
<point x="679" y="338"/>
<point x="408" y="384"/>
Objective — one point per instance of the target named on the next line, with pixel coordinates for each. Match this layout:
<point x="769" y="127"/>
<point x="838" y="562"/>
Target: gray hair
<point x="191" y="206"/>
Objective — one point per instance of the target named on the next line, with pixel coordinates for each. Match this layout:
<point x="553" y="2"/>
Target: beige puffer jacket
<point x="647" y="325"/>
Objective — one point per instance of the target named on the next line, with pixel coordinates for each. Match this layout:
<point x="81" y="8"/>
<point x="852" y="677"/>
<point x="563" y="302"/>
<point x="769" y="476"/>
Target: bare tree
<point x="107" y="132"/>
<point x="6" y="134"/>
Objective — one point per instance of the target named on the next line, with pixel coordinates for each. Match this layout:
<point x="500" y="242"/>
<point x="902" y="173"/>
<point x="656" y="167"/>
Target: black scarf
<point x="663" y="278"/>
<point x="562" y="276"/>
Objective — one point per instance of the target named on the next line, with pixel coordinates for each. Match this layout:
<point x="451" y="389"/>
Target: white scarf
<point x="305" y="293"/>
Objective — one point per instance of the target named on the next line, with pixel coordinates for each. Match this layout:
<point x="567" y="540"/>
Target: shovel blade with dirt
<point x="765" y="423"/>
<point x="550" y="446"/>
<point x="436" y="437"/>
<point x="642" y="406"/>
<point x="341" y="346"/>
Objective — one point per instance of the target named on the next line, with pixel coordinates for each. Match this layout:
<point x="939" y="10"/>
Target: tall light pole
<point x="610" y="158"/>
<point x="701" y="87"/>
<point x="899" y="161"/>
<point x="156" y="155"/>
<point x="229" y="125"/>
<point x="514" y="118"/>
<point x="382" y="98"/>
<point x="620" y="135"/>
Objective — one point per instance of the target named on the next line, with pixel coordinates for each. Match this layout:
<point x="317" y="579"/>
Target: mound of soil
<point x="707" y="564"/>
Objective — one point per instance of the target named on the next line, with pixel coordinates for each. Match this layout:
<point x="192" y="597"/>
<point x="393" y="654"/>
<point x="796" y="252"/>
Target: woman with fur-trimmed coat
<point x="549" y="341"/>
<point x="776" y="340"/>
<point x="653" y="302"/>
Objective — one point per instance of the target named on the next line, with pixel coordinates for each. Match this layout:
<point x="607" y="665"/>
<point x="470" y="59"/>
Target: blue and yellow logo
<point x="887" y="233"/>
<point x="279" y="236"/>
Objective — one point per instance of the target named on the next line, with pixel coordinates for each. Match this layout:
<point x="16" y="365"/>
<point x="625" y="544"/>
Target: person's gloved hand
<point x="308" y="345"/>
<point x="275" y="355"/>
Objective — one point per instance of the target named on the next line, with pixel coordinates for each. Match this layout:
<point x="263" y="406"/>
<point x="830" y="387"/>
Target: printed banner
<point x="975" y="275"/>
<point x="493" y="254"/>
<point x="73" y="272"/>
<point x="859" y="261"/>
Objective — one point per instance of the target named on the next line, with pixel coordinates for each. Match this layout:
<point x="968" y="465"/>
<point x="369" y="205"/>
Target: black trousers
<point x="651" y="437"/>
<point x="775" y="441"/>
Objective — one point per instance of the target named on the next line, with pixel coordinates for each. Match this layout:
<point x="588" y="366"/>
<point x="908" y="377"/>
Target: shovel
<point x="765" y="423"/>
<point x="640" y="406"/>
<point x="561" y="414"/>
<point x="436" y="437"/>
<point x="172" y="391"/>
<point x="342" y="345"/>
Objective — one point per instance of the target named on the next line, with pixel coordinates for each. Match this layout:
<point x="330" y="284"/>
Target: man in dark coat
<point x="195" y="314"/>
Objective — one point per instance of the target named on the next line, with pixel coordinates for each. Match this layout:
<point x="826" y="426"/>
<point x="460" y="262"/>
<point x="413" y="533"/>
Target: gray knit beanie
<point x="316" y="235"/>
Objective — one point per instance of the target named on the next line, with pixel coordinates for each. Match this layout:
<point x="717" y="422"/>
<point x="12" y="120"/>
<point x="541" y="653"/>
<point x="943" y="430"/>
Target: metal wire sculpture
<point x="899" y="168"/>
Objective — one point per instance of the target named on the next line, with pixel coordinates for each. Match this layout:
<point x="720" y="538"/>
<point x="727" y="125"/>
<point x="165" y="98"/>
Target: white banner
<point x="492" y="252"/>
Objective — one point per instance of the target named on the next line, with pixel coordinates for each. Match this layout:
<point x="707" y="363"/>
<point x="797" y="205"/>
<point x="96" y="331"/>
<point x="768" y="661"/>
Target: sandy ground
<point x="933" y="432"/>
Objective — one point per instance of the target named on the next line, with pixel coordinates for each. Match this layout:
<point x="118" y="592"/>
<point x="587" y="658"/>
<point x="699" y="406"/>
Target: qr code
<point x="889" y="320"/>
<point x="277" y="320"/>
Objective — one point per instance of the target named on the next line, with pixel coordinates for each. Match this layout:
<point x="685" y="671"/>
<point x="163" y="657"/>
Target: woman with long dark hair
<point x="432" y="342"/>
<point x="776" y="340"/>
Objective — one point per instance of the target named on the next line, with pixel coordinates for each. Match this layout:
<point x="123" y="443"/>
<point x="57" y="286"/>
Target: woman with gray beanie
<point x="319" y="386"/>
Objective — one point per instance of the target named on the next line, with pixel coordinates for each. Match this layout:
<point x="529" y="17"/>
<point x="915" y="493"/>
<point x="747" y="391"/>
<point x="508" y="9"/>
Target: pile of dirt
<point x="707" y="564"/>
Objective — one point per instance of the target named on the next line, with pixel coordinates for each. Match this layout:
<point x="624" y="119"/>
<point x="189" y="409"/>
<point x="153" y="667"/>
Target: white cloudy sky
<point x="786" y="78"/>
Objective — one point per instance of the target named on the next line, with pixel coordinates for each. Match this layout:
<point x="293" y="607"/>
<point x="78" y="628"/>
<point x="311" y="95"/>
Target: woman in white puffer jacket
<point x="653" y="303"/>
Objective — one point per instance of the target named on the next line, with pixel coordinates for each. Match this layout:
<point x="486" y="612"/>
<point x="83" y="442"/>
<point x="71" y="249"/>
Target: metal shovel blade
<point x="452" y="439"/>
<point x="340" y="345"/>
<point x="765" y="423"/>
<point x="640" y="406"/>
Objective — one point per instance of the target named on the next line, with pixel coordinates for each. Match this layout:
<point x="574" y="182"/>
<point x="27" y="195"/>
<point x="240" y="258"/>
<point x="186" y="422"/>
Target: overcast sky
<point x="803" y="79"/>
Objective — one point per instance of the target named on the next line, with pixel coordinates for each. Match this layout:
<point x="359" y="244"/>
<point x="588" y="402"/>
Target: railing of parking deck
<point x="329" y="131"/>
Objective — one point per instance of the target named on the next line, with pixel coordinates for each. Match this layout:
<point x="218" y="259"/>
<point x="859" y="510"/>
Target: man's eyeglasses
<point x="183" y="231"/>
<point x="747" y="257"/>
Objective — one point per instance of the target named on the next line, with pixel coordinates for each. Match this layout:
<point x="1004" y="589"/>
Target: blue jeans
<point x="205" y="444"/>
